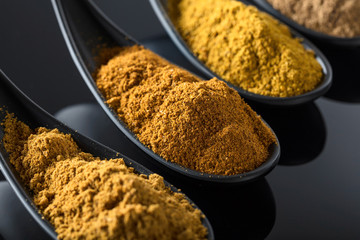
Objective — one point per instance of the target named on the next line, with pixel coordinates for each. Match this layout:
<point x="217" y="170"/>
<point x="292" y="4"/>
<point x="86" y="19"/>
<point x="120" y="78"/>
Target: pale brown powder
<point x="339" y="18"/>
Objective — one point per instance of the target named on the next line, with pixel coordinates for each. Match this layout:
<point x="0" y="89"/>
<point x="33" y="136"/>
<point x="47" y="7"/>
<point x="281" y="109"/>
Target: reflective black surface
<point x="313" y="194"/>
<point x="15" y="222"/>
<point x="346" y="84"/>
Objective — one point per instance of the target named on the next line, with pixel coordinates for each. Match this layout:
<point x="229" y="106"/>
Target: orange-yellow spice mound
<point x="202" y="125"/>
<point x="85" y="197"/>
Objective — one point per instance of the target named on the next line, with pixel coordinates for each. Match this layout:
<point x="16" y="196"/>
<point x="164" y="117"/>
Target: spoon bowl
<point x="14" y="101"/>
<point x="84" y="29"/>
<point x="315" y="35"/>
<point x="160" y="9"/>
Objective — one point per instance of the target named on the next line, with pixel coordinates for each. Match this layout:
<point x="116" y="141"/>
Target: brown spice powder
<point x="339" y="18"/>
<point x="202" y="125"/>
<point x="88" y="198"/>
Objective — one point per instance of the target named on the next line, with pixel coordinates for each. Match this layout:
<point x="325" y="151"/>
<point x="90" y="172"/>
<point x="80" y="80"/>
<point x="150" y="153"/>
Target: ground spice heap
<point x="202" y="125"/>
<point x="339" y="18"/>
<point x="88" y="198"/>
<point x="246" y="47"/>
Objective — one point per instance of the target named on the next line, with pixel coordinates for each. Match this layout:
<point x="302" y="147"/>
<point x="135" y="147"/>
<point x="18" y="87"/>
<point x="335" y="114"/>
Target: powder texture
<point x="340" y="18"/>
<point x="246" y="47"/>
<point x="88" y="198"/>
<point x="202" y="125"/>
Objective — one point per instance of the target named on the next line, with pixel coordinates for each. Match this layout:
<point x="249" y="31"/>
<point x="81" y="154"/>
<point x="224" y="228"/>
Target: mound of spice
<point x="246" y="47"/>
<point x="340" y="18"/>
<point x="201" y="125"/>
<point x="88" y="198"/>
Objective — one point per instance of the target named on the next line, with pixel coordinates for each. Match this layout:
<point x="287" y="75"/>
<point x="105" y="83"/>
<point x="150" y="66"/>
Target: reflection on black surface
<point x="235" y="211"/>
<point x="301" y="131"/>
<point x="346" y="66"/>
<point x="15" y="222"/>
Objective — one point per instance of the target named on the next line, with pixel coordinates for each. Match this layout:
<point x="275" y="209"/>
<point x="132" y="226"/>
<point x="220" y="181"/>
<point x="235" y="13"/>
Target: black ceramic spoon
<point x="160" y="8"/>
<point x="341" y="41"/>
<point x="83" y="34"/>
<point x="14" y="101"/>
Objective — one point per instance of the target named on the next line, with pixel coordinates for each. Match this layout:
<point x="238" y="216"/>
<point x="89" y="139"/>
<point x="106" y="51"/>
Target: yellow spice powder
<point x="246" y="47"/>
<point x="85" y="197"/>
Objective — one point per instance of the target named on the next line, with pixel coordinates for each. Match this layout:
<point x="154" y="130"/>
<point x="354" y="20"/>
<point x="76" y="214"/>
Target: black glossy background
<point x="313" y="194"/>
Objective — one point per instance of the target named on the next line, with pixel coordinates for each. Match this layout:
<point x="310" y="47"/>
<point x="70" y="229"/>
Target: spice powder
<point x="85" y="197"/>
<point x="340" y="18"/>
<point x="246" y="47"/>
<point x="201" y="125"/>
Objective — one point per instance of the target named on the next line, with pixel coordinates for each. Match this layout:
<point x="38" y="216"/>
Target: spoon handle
<point x="118" y="34"/>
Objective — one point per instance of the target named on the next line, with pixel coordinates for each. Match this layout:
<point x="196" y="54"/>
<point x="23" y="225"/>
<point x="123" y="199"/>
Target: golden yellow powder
<point x="246" y="47"/>
<point x="85" y="197"/>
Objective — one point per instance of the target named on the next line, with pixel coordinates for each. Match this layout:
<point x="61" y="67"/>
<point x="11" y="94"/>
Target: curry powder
<point x="85" y="197"/>
<point x="201" y="125"/>
<point x="246" y="47"/>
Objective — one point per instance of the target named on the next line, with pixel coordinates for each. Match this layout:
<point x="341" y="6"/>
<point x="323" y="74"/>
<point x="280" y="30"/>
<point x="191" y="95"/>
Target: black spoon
<point x="341" y="41"/>
<point x="160" y="8"/>
<point x="83" y="34"/>
<point x="14" y="101"/>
